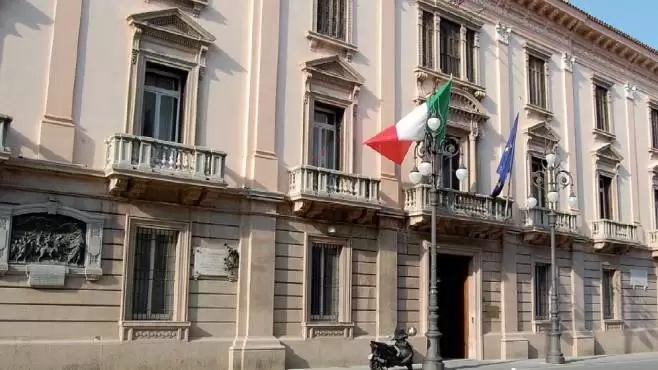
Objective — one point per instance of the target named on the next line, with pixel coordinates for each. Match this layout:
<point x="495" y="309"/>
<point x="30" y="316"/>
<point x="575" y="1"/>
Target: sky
<point x="634" y="17"/>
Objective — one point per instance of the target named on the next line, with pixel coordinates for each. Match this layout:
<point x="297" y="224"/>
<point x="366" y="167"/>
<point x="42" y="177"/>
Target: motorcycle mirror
<point x="411" y="331"/>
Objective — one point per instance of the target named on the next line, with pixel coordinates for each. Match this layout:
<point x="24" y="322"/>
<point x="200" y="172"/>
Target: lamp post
<point x="553" y="179"/>
<point x="432" y="154"/>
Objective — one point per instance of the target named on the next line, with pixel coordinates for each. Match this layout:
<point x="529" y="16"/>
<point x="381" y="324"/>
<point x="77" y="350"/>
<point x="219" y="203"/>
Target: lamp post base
<point x="555" y="359"/>
<point x="433" y="365"/>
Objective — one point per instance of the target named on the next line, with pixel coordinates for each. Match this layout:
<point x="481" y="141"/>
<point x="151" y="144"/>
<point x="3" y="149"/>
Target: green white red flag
<point x="394" y="142"/>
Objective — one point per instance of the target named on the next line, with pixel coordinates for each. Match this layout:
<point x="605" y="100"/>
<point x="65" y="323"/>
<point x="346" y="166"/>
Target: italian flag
<point x="394" y="142"/>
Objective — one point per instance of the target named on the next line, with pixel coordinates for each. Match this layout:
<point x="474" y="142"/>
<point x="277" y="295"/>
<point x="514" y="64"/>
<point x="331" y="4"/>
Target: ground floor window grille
<point x="325" y="281"/>
<point x="542" y="287"/>
<point x="154" y="274"/>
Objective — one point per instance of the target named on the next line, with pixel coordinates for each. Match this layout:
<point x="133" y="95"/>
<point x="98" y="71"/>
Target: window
<point x="163" y="90"/>
<point x="167" y="65"/>
<point x="602" y="108"/>
<point x="156" y="280"/>
<point x="537" y="82"/>
<point x="608" y="294"/>
<point x="450" y="166"/>
<point x="538" y="165"/>
<point x="450" y="48"/>
<point x="325" y="282"/>
<point x="427" y="40"/>
<point x="542" y="286"/>
<point x="325" y="136"/>
<point x="153" y="274"/>
<point x="655" y="206"/>
<point x="330" y="18"/>
<point x="654" y="128"/>
<point x="470" y="55"/>
<point x="605" y="197"/>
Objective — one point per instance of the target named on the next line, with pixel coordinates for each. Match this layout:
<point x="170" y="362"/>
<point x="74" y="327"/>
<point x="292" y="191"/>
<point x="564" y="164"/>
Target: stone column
<point x="57" y="131"/>
<point x="631" y="94"/>
<point x="513" y="344"/>
<point x="387" y="277"/>
<point x="583" y="340"/>
<point x="437" y="41"/>
<point x="262" y="165"/>
<point x="472" y="159"/>
<point x="462" y="52"/>
<point x="390" y="182"/>
<point x="254" y="346"/>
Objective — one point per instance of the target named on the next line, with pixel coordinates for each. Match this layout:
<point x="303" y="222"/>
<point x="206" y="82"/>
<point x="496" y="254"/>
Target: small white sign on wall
<point x="639" y="278"/>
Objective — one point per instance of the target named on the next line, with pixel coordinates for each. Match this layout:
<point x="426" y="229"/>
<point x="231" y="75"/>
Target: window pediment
<point x="333" y="69"/>
<point x="607" y="155"/>
<point x="541" y="134"/>
<point x="466" y="112"/>
<point x="172" y="26"/>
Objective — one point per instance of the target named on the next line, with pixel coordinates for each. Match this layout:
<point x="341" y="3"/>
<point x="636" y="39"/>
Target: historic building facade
<point x="183" y="184"/>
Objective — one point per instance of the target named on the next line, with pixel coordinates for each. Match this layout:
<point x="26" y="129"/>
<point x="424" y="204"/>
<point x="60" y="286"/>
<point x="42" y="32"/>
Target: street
<point x="641" y="361"/>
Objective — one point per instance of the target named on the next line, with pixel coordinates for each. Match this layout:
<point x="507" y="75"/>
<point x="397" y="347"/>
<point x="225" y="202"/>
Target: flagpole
<point x="511" y="178"/>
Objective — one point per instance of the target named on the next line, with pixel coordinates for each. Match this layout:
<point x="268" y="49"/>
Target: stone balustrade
<point x="453" y="202"/>
<point x="564" y="222"/>
<point x="157" y="157"/>
<point x="331" y="184"/>
<point x="603" y="230"/>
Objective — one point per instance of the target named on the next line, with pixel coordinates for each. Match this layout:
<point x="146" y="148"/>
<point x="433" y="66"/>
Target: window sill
<point x="328" y="329"/>
<point x="425" y="73"/>
<point x="613" y="325"/>
<point x="317" y="39"/>
<point x="542" y="326"/>
<point x="543" y="113"/>
<point x="155" y="330"/>
<point x="604" y="135"/>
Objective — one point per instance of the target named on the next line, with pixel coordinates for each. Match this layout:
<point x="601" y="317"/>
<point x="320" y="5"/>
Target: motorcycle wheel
<point x="375" y="365"/>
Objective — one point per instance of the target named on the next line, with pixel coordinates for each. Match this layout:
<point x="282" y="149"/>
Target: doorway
<point x="454" y="317"/>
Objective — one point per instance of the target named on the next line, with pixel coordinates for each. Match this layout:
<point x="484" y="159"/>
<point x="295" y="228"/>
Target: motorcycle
<point x="400" y="353"/>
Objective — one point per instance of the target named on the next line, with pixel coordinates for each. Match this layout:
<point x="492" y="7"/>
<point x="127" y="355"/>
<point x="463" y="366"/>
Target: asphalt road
<point x="641" y="361"/>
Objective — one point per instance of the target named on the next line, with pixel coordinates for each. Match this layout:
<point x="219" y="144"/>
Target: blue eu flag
<point x="507" y="160"/>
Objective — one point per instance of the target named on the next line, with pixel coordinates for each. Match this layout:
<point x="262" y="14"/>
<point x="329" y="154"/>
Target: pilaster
<point x="57" y="130"/>
<point x="568" y="64"/>
<point x="262" y="166"/>
<point x="631" y="95"/>
<point x="503" y="33"/>
<point x="583" y="340"/>
<point x="389" y="190"/>
<point x="387" y="277"/>
<point x="254" y="346"/>
<point x="513" y="344"/>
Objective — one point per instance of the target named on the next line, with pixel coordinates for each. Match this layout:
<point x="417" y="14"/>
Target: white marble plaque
<point x="639" y="278"/>
<point x="209" y="261"/>
<point x="46" y="276"/>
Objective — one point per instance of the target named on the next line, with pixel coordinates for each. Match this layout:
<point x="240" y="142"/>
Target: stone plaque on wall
<point x="210" y="261"/>
<point x="46" y="276"/>
<point x="639" y="278"/>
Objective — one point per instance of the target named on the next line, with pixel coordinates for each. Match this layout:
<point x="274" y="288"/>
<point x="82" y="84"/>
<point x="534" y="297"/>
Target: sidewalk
<point x="640" y="361"/>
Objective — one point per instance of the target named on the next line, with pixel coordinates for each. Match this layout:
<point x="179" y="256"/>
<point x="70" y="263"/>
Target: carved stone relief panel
<point x="50" y="234"/>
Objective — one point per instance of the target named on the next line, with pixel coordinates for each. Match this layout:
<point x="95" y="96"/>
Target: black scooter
<point x="400" y="353"/>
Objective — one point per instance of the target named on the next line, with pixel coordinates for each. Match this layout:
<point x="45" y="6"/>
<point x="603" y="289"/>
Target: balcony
<point x="459" y="213"/>
<point x="5" y="152"/>
<point x="614" y="237"/>
<point x="145" y="168"/>
<point x="322" y="193"/>
<point x="652" y="239"/>
<point x="536" y="230"/>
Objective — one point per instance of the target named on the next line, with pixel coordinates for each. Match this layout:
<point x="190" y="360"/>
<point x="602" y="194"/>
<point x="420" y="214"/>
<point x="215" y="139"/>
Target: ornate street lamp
<point x="432" y="155"/>
<point x="552" y="178"/>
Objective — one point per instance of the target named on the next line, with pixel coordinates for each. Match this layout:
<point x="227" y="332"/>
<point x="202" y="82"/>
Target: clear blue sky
<point x="635" y="17"/>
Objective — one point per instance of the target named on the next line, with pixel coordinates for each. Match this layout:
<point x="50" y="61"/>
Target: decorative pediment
<point x="541" y="134"/>
<point x="608" y="155"/>
<point x="172" y="26"/>
<point x="465" y="110"/>
<point x="333" y="68"/>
